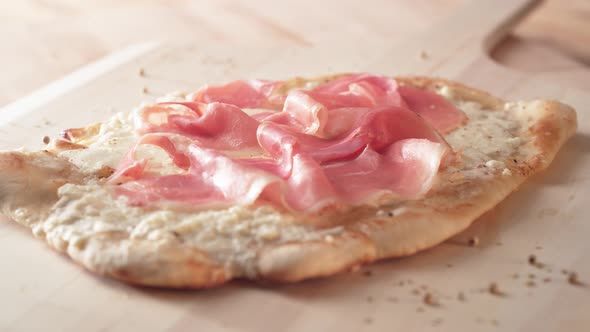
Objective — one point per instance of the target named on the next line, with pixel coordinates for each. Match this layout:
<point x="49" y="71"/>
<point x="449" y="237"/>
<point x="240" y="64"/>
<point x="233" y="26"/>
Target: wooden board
<point x="42" y="290"/>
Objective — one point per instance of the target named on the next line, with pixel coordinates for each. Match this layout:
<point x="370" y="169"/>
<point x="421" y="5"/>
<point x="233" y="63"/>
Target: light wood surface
<point x="548" y="217"/>
<point x="43" y="40"/>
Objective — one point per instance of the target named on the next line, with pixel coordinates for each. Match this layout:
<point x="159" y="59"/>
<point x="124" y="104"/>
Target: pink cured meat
<point x="350" y="141"/>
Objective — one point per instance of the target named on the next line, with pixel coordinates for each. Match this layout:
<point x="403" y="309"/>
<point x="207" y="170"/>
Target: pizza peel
<point x="547" y="217"/>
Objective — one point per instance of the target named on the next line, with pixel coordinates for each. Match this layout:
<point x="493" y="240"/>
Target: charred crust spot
<point x="61" y="144"/>
<point x="105" y="172"/>
<point x="75" y="134"/>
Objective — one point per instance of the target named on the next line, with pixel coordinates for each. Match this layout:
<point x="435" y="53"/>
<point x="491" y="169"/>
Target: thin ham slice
<point x="303" y="113"/>
<point x="216" y="125"/>
<point x="439" y="112"/>
<point x="362" y="90"/>
<point x="351" y="141"/>
<point x="242" y="93"/>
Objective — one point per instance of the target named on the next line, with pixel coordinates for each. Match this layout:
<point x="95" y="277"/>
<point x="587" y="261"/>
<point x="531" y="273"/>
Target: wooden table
<point x="547" y="217"/>
<point x="43" y="40"/>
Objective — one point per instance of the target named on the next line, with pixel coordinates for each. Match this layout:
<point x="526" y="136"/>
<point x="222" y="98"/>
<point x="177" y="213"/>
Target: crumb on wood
<point x="368" y="320"/>
<point x="449" y="265"/>
<point x="368" y="273"/>
<point x="530" y="283"/>
<point x="546" y="280"/>
<point x="461" y="297"/>
<point x="416" y="291"/>
<point x="424" y="55"/>
<point x="533" y="259"/>
<point x="430" y="300"/>
<point x="572" y="278"/>
<point x="473" y="241"/>
<point x="494" y="289"/>
<point x="141" y="72"/>
<point x="535" y="262"/>
<point x="370" y="299"/>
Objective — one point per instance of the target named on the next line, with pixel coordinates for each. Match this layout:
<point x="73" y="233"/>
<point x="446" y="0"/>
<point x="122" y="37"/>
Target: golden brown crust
<point x="430" y="221"/>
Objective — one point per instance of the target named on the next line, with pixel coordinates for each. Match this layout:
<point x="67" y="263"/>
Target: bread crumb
<point x="416" y="291"/>
<point x="474" y="241"/>
<point x="370" y="299"/>
<point x="145" y="90"/>
<point x="532" y="259"/>
<point x="141" y="72"/>
<point x="573" y="279"/>
<point x="367" y="273"/>
<point x="547" y="280"/>
<point x="430" y="300"/>
<point x="424" y="55"/>
<point x="530" y="283"/>
<point x="461" y="297"/>
<point x="46" y="140"/>
<point x="368" y="320"/>
<point x="329" y="238"/>
<point x="506" y="172"/>
<point x="535" y="262"/>
<point x="495" y="290"/>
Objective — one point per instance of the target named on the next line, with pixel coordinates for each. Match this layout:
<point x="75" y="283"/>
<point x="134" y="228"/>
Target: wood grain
<point x="43" y="40"/>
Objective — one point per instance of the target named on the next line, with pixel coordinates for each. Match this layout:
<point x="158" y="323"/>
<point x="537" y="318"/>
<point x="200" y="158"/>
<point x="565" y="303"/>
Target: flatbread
<point x="58" y="193"/>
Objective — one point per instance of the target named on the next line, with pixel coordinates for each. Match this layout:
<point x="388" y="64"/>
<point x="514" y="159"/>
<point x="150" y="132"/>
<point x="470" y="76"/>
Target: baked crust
<point x="447" y="210"/>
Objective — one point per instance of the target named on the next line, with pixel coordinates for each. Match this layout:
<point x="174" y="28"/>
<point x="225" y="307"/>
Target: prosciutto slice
<point x="242" y="93"/>
<point x="216" y="125"/>
<point x="352" y="141"/>
<point x="439" y="112"/>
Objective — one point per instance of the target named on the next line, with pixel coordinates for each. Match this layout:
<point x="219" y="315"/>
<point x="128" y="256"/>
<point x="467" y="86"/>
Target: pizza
<point x="278" y="180"/>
